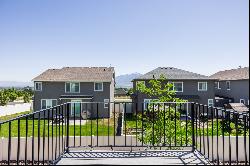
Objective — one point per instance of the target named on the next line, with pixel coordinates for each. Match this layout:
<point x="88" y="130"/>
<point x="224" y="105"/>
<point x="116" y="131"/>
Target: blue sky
<point x="201" y="36"/>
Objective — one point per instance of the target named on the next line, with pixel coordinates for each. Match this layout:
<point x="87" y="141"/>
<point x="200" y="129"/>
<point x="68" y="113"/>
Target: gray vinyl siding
<point x="53" y="90"/>
<point x="239" y="89"/>
<point x="190" y="87"/>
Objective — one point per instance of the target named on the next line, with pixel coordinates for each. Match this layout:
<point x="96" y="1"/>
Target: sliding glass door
<point x="76" y="108"/>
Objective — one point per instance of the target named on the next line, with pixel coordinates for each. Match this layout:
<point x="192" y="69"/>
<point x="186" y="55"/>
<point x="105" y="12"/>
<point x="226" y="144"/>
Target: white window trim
<point x="209" y="102"/>
<point x="46" y="102"/>
<point x="70" y="91"/>
<point x="242" y="100"/>
<point x="202" y="89"/>
<point x="229" y="85"/>
<point x="106" y="101"/>
<point x="218" y="85"/>
<point x="41" y="86"/>
<point x="98" y="90"/>
<point x="181" y="86"/>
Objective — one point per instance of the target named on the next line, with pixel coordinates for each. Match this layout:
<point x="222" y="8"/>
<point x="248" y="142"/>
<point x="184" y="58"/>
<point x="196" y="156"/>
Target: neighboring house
<point x="76" y="84"/>
<point x="232" y="85"/>
<point x="189" y="86"/>
<point x="120" y="93"/>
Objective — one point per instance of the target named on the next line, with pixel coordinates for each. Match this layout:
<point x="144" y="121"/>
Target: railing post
<point x="67" y="143"/>
<point x="192" y="122"/>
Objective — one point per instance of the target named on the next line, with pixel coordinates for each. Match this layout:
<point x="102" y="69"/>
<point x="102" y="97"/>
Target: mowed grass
<point x="102" y="127"/>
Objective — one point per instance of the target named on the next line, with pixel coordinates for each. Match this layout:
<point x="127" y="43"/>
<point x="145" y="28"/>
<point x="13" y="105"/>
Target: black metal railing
<point x="42" y="137"/>
<point x="222" y="136"/>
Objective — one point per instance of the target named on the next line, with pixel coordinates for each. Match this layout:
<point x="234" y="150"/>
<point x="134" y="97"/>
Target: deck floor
<point x="132" y="158"/>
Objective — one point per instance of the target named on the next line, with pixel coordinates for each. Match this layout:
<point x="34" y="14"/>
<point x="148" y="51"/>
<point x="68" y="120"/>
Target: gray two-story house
<point x="187" y="85"/>
<point x="232" y="86"/>
<point x="76" y="85"/>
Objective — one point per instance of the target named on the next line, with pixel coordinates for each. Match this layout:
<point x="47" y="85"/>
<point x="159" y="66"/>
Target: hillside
<point x="124" y="81"/>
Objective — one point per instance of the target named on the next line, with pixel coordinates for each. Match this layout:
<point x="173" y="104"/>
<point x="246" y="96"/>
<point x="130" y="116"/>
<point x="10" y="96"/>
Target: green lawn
<point x="4" y="118"/>
<point x="84" y="130"/>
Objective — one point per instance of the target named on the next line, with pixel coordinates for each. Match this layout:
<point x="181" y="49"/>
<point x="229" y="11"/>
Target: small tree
<point x="4" y="98"/>
<point x="161" y="117"/>
<point x="12" y="93"/>
<point x="130" y="92"/>
<point x="26" y="97"/>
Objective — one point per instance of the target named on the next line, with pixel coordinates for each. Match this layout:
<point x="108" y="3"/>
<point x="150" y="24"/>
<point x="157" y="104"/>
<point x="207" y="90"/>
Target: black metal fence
<point x="42" y="137"/>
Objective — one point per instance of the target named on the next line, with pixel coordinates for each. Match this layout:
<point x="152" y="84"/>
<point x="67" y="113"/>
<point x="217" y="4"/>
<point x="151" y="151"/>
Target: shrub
<point x="4" y="98"/>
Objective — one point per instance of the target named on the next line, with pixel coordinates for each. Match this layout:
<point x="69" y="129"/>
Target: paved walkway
<point x="133" y="158"/>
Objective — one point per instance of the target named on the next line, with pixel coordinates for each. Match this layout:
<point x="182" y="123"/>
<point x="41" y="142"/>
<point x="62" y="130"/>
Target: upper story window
<point x="177" y="86"/>
<point x="139" y="83"/>
<point x="38" y="86"/>
<point x="228" y="85"/>
<point x="98" y="86"/>
<point x="72" y="87"/>
<point x="202" y="86"/>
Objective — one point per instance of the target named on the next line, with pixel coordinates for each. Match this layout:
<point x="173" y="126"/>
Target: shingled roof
<point x="80" y="74"/>
<point x="172" y="74"/>
<point x="233" y="74"/>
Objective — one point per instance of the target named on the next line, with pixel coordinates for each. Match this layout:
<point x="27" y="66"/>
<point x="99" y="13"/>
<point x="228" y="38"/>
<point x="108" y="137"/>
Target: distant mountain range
<point x="124" y="81"/>
<point x="9" y="84"/>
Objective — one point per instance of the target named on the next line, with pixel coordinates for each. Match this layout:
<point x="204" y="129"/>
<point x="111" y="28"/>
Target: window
<point x="72" y="87"/>
<point x="210" y="102"/>
<point x="146" y="103"/>
<point x="228" y="85"/>
<point x="202" y="86"/>
<point x="106" y="103"/>
<point x="139" y="83"/>
<point x="98" y="86"/>
<point x="242" y="101"/>
<point x="48" y="103"/>
<point x="38" y="86"/>
<point x="218" y="85"/>
<point x="177" y="86"/>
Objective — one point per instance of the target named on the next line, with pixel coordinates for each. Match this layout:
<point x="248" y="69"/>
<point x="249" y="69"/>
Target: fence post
<point x="192" y="122"/>
<point x="67" y="143"/>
